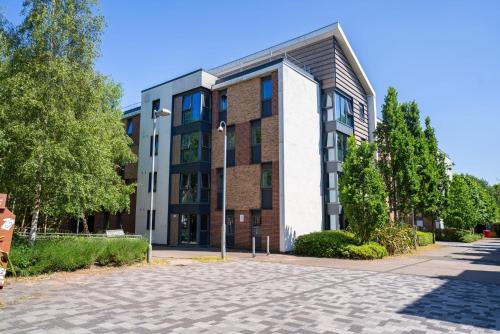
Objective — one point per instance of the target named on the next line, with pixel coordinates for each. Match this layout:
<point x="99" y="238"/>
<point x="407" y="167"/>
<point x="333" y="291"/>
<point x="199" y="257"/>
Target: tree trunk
<point x="34" y="218"/>
<point x="23" y="221"/>
<point x="85" y="225"/>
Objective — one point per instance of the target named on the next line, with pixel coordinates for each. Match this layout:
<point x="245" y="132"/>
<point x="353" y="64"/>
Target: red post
<point x="7" y="221"/>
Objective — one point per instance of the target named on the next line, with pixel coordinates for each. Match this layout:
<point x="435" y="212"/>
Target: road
<point x="269" y="295"/>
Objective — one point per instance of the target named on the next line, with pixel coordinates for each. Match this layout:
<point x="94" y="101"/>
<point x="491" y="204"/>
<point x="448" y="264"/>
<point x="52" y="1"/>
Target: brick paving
<point x="248" y="296"/>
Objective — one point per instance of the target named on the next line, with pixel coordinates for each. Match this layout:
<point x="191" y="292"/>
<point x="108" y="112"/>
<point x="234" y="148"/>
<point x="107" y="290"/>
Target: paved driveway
<point x="245" y="296"/>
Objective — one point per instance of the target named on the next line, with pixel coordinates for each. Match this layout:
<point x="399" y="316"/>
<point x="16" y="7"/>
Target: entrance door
<point x="230" y="229"/>
<point x="256" y="228"/>
<point x="188" y="229"/>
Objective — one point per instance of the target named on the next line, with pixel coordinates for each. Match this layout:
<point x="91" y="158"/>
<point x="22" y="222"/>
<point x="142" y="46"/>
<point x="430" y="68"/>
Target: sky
<point x="445" y="55"/>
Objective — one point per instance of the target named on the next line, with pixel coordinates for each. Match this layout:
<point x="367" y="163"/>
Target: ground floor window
<point x="194" y="229"/>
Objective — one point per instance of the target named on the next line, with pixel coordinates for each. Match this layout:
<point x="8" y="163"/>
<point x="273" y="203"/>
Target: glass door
<point x="230" y="229"/>
<point x="188" y="229"/>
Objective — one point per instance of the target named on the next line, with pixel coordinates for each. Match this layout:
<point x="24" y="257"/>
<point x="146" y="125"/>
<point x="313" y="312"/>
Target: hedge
<point x="451" y="234"/>
<point x="72" y="253"/>
<point x="337" y="244"/>
<point x="424" y="238"/>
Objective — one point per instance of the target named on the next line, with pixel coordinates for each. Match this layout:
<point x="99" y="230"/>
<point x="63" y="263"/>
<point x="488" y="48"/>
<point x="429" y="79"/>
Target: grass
<point x="207" y="259"/>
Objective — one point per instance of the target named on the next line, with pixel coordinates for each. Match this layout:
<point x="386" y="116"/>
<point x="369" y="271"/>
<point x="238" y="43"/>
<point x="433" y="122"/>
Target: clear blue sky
<point x="443" y="54"/>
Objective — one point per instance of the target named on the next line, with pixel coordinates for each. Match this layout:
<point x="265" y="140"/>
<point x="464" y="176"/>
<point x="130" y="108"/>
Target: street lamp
<point x="156" y="114"/>
<point x="223" y="128"/>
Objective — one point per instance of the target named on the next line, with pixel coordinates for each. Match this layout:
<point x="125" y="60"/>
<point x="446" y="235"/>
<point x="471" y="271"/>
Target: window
<point x="256" y="142"/>
<point x="192" y="107"/>
<point x="155" y="179"/>
<point x="337" y="107"/>
<point x="331" y="188"/>
<point x="341" y="146"/>
<point x="205" y="188"/>
<point x="189" y="188"/>
<point x="206" y="109"/>
<point x="151" y="145"/>
<point x="149" y="217"/>
<point x="220" y="187"/>
<point x="329" y="146"/>
<point x="223" y="107"/>
<point x="189" y="147"/>
<point x="362" y="112"/>
<point x="155" y="107"/>
<point x="267" y="186"/>
<point x="266" y="96"/>
<point x="343" y="110"/>
<point x="205" y="146"/>
<point x="230" y="146"/>
<point x="130" y="127"/>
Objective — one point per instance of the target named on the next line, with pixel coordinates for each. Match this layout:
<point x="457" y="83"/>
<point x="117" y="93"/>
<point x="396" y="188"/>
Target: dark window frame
<point x="189" y="187"/>
<point x="153" y="109"/>
<point x="148" y="217"/>
<point x="222" y="114"/>
<point x="256" y="144"/>
<point x="130" y="127"/>
<point x="151" y="145"/>
<point x="155" y="182"/>
<point x="220" y="187"/>
<point x="189" y="147"/>
<point x="341" y="145"/>
<point x="231" y="149"/>
<point x="266" y="189"/>
<point x="266" y="101"/>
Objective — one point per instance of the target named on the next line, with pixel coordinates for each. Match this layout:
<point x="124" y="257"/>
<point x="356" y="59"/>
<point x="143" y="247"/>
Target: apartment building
<point x="288" y="111"/>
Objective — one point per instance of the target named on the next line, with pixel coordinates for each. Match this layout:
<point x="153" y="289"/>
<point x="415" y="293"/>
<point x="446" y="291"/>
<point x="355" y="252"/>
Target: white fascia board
<point x="263" y="72"/>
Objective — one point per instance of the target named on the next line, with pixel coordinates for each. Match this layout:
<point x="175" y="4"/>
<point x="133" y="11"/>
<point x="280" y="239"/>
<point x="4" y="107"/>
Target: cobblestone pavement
<point x="247" y="296"/>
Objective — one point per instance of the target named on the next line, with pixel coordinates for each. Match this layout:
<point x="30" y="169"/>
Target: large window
<point x="155" y="179"/>
<point x="223" y="107"/>
<point x="130" y="127"/>
<point x="256" y="142"/>
<point x="155" y="107"/>
<point x="189" y="188"/>
<point x="205" y="188"/>
<point x="189" y="147"/>
<point x="266" y="96"/>
<point x="205" y="146"/>
<point x="196" y="107"/>
<point x="341" y="146"/>
<point x="151" y="145"/>
<point x="337" y="107"/>
<point x="343" y="110"/>
<point x="149" y="217"/>
<point x="266" y="185"/>
<point x="231" y="156"/>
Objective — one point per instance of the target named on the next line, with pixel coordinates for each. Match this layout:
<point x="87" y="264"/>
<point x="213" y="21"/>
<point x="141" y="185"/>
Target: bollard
<point x="253" y="246"/>
<point x="267" y="247"/>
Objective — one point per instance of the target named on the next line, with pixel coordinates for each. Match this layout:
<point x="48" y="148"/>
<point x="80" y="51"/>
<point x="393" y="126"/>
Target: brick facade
<point x="244" y="179"/>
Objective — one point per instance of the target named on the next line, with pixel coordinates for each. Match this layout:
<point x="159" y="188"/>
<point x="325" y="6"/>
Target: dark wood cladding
<point x="327" y="62"/>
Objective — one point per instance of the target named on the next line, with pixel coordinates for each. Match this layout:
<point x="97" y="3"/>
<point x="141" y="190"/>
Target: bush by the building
<point x="396" y="238"/>
<point x="72" y="253"/>
<point x="339" y="244"/>
<point x="424" y="238"/>
<point x="452" y="234"/>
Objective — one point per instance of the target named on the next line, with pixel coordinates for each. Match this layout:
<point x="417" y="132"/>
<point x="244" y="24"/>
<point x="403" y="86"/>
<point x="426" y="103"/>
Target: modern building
<point x="288" y="110"/>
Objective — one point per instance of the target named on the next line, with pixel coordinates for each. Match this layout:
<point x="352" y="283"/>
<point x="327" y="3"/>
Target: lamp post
<point x="156" y="114"/>
<point x="223" y="128"/>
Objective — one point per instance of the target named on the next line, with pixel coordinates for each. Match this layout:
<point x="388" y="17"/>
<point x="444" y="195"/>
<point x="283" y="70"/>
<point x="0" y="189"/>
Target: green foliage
<point x="362" y="191"/>
<point x="424" y="238"/>
<point x="368" y="251"/>
<point x="396" y="238"/>
<point x="337" y="244"/>
<point x="452" y="234"/>
<point x="469" y="203"/>
<point x="397" y="159"/>
<point x="65" y="141"/>
<point x="72" y="253"/>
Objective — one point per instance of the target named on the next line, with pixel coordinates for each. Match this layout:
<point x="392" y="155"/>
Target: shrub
<point x="396" y="238"/>
<point x="451" y="234"/>
<point x="122" y="251"/>
<point x="337" y="244"/>
<point x="72" y="253"/>
<point x="368" y="251"/>
<point x="424" y="238"/>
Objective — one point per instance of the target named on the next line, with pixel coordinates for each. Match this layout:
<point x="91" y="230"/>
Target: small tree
<point x="461" y="212"/>
<point x="362" y="191"/>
